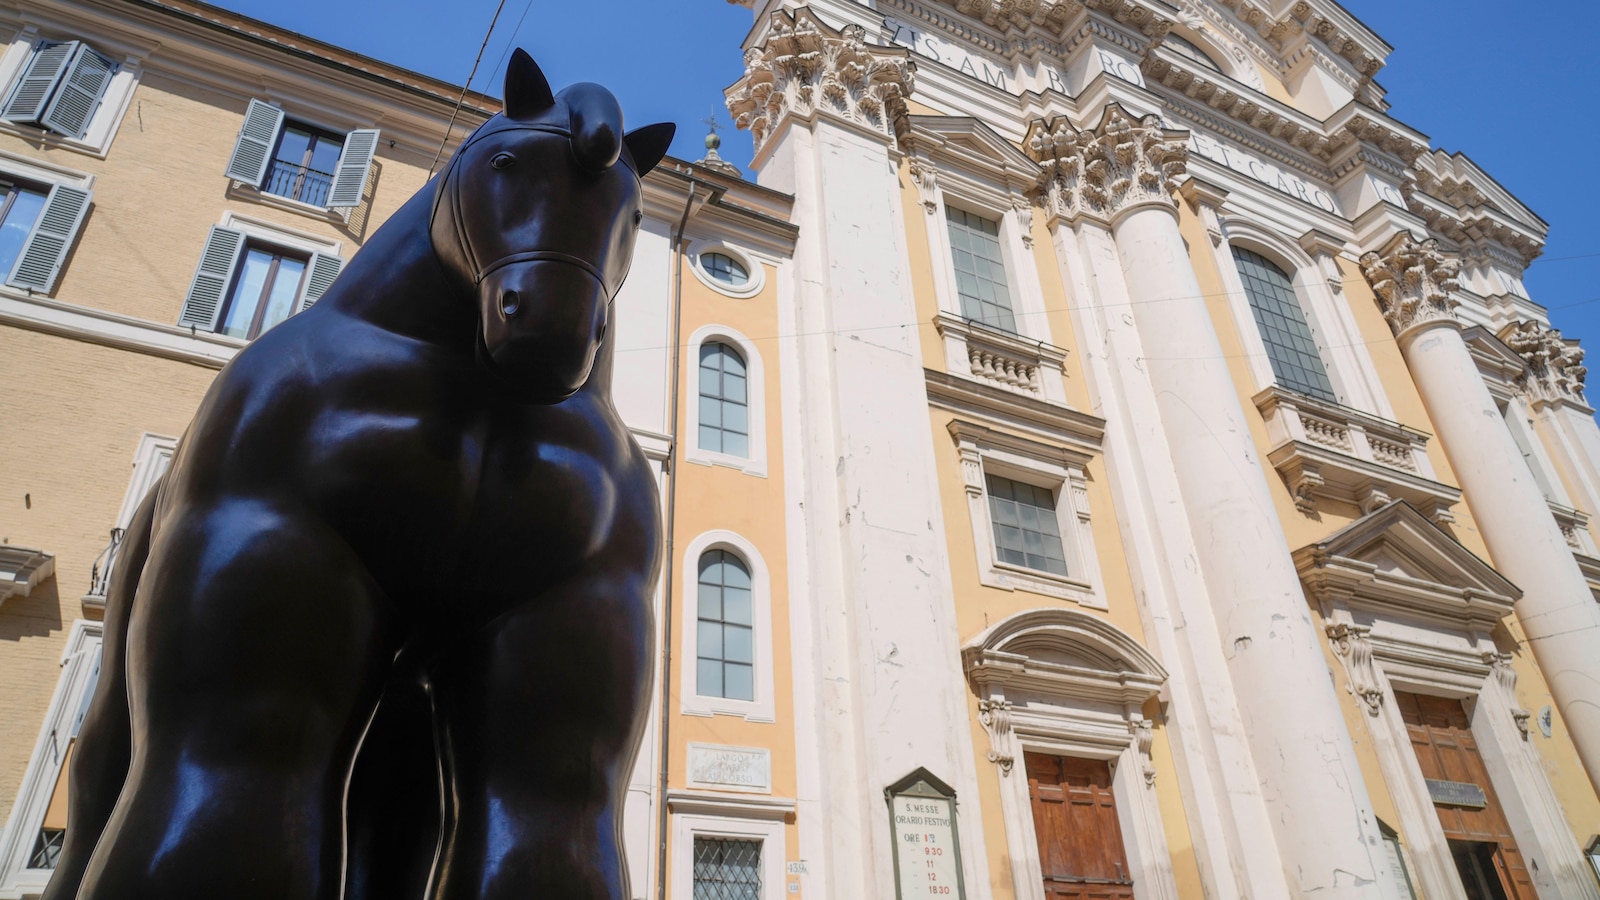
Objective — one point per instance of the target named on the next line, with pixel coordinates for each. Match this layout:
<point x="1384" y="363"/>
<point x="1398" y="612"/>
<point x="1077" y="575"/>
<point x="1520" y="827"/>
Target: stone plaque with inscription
<point x="730" y="768"/>
<point x="927" y="848"/>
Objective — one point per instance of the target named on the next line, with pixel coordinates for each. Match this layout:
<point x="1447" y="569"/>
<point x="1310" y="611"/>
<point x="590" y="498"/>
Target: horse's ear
<point x="649" y="144"/>
<point x="527" y="91"/>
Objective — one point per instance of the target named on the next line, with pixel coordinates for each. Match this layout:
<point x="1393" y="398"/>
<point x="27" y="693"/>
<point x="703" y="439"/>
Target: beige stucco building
<point x="1105" y="454"/>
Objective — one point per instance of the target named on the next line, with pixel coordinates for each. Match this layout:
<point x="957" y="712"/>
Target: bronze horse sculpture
<point x="384" y="629"/>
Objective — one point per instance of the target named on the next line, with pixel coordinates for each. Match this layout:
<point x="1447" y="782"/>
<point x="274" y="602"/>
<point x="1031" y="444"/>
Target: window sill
<point x="1020" y="578"/>
<point x="238" y="190"/>
<point x="45" y="138"/>
<point x="755" y="467"/>
<point x="1002" y="359"/>
<point x="711" y="707"/>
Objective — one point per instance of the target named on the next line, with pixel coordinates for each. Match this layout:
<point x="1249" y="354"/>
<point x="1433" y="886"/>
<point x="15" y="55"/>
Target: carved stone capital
<point x="1555" y="364"/>
<point x="1121" y="164"/>
<point x="804" y="67"/>
<point x="1414" y="280"/>
<point x="1354" y="647"/>
<point x="995" y="715"/>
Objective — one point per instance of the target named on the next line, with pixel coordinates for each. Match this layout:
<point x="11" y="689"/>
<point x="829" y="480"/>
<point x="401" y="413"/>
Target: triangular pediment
<point x="969" y="143"/>
<point x="1396" y="557"/>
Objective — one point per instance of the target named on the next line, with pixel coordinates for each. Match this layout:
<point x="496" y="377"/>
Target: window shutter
<point x="211" y="279"/>
<point x="324" y="269"/>
<point x="350" y="175"/>
<point x="47" y="246"/>
<point x="253" y="151"/>
<point x="38" y="80"/>
<point x="85" y="82"/>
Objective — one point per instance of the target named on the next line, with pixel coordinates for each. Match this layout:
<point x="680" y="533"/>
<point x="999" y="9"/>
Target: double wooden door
<point x="1075" y="819"/>
<point x="1485" y="852"/>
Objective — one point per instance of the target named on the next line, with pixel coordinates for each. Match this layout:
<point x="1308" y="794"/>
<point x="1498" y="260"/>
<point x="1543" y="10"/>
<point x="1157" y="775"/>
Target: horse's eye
<point x="638" y="216"/>
<point x="502" y="160"/>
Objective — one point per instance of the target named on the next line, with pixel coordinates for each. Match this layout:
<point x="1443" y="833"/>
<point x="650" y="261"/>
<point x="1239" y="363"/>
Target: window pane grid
<point x="724" y="268"/>
<point x="1296" y="363"/>
<point x="1026" y="532"/>
<point x="724" y="401"/>
<point x="727" y="869"/>
<point x="980" y="269"/>
<point x="725" y="629"/>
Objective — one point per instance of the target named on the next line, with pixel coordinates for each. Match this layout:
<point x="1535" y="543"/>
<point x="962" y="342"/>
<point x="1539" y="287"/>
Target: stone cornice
<point x="803" y="67"/>
<point x="1101" y="173"/>
<point x="1414" y="281"/>
<point x="1461" y="202"/>
<point x="1555" y="365"/>
<point x="1055" y="16"/>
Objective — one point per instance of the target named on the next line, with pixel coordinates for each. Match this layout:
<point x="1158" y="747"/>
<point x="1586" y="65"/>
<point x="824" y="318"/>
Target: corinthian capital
<point x="804" y="67"/>
<point x="1414" y="282"/>
<point x="1555" y="365"/>
<point x="1120" y="164"/>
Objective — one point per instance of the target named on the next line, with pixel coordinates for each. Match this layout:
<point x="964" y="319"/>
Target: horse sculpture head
<point x="538" y="211"/>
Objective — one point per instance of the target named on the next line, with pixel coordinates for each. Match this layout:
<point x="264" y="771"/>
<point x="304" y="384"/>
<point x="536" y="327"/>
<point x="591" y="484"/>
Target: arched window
<point x="725" y="639"/>
<point x="1296" y="363"/>
<point x="1190" y="49"/>
<point x="724" y="401"/>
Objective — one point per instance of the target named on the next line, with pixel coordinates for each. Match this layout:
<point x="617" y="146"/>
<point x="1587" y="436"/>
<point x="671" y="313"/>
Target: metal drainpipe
<point x="667" y="569"/>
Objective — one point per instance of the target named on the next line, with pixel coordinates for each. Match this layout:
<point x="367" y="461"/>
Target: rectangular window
<point x="727" y="869"/>
<point x="304" y="163"/>
<point x="1296" y="362"/>
<point x="1026" y="532"/>
<point x="19" y="212"/>
<point x="980" y="270"/>
<point x="264" y="292"/>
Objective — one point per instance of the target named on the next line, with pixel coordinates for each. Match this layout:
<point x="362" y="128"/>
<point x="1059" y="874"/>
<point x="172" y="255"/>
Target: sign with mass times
<point x="927" y="849"/>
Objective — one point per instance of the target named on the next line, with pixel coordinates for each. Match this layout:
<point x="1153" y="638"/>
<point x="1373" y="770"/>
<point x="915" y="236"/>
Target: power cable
<point x="464" y="88"/>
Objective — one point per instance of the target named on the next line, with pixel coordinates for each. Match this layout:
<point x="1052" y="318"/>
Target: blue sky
<point x="1494" y="80"/>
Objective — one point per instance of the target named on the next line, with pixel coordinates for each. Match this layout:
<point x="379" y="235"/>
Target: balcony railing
<point x="1324" y="450"/>
<point x="100" y="573"/>
<point x="1004" y="360"/>
<point x="301" y="183"/>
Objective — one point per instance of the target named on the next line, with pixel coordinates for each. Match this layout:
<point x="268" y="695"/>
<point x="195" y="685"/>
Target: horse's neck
<point x="397" y="283"/>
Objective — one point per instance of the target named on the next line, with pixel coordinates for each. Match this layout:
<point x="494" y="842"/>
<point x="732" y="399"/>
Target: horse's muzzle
<point x="543" y="320"/>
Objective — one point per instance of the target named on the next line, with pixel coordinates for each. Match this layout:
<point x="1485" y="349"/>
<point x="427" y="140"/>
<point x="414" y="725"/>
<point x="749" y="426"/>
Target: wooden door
<point x="1442" y="739"/>
<point x="1075" y="819"/>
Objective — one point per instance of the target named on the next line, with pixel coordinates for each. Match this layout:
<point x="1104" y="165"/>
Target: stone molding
<point x="1555" y="365"/>
<point x="1121" y="164"/>
<point x="1500" y="667"/>
<point x="1353" y="645"/>
<point x="803" y="67"/>
<point x="1415" y="282"/>
<point x="995" y="715"/>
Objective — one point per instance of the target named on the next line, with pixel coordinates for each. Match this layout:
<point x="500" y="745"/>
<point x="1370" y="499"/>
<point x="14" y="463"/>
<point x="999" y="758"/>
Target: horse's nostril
<point x="509" y="303"/>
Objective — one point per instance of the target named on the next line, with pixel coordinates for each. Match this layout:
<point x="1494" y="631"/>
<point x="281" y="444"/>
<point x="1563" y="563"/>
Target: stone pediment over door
<point x="1396" y="561"/>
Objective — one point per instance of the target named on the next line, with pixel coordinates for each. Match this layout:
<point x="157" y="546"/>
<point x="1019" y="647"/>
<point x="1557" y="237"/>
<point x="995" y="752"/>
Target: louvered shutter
<point x="350" y="175"/>
<point x="41" y="258"/>
<point x="211" y="278"/>
<point x="85" y="82"/>
<point x="253" y="151"/>
<point x="38" y="80"/>
<point x="324" y="269"/>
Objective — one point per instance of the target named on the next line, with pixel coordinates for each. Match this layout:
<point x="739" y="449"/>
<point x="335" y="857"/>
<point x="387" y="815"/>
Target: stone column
<point x="1122" y="172"/>
<point x="1414" y="281"/>
<point x="1552" y="386"/>
<point x="879" y="689"/>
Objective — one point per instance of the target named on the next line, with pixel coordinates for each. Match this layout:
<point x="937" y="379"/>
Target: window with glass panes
<point x="1296" y="364"/>
<point x="727" y="869"/>
<point x="724" y="401"/>
<point x="724" y="268"/>
<point x="980" y="269"/>
<point x="264" y="291"/>
<point x="725" y="635"/>
<point x="1026" y="532"/>
<point x="19" y="212"/>
<point x="303" y="163"/>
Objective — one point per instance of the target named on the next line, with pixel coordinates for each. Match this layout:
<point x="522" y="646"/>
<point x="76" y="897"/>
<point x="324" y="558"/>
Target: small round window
<point x="724" y="268"/>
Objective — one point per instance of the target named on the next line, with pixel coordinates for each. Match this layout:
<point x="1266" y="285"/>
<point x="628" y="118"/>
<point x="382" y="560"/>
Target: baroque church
<point x="1105" y="454"/>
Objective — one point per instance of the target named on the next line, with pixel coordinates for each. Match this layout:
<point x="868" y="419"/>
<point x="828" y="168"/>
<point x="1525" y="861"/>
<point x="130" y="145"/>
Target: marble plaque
<point x="726" y="768"/>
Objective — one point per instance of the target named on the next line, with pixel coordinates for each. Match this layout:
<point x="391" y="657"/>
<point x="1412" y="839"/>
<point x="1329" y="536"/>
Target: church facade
<point x="1104" y="453"/>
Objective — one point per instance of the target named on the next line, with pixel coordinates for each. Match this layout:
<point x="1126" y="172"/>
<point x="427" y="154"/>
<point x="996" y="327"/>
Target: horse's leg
<point x="540" y="715"/>
<point x="255" y="657"/>
<point x="100" y="754"/>
<point x="394" y="806"/>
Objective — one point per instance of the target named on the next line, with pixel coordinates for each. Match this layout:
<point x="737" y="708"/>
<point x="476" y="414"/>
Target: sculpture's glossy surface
<point x="414" y="499"/>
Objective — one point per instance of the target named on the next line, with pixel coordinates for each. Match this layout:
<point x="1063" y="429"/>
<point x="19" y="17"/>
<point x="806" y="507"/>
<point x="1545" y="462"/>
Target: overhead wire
<point x="455" y="113"/>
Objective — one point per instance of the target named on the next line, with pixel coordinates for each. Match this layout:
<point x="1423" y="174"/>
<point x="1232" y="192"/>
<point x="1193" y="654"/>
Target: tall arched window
<point x="724" y="401"/>
<point x="725" y="640"/>
<point x="1296" y="364"/>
